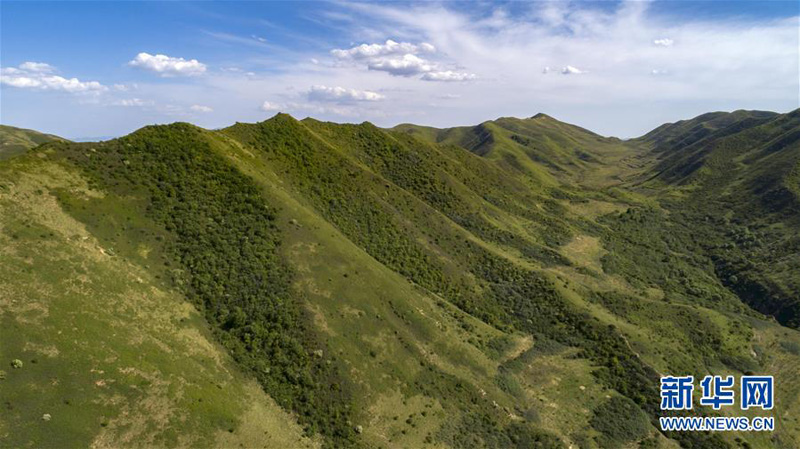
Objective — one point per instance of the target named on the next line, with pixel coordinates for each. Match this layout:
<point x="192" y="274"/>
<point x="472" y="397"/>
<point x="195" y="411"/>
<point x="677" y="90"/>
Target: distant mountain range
<point x="521" y="283"/>
<point x="92" y="139"/>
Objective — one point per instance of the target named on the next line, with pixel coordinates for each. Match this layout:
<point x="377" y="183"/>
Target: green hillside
<point x="519" y="284"/>
<point x="684" y="133"/>
<point x="14" y="141"/>
<point x="738" y="186"/>
<point x="540" y="146"/>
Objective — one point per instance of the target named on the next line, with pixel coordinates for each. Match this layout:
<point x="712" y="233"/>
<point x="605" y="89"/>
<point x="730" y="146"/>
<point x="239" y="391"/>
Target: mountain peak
<point x="281" y="116"/>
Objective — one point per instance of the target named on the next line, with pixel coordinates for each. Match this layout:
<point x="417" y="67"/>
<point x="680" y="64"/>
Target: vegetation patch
<point x="620" y="421"/>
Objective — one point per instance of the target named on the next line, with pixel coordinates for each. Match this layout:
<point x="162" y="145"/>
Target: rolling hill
<point x="14" y="141"/>
<point x="521" y="283"/>
<point x="540" y="147"/>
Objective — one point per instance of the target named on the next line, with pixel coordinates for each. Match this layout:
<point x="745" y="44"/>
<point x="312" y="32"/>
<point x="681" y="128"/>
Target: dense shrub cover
<point x="621" y="421"/>
<point x="223" y="237"/>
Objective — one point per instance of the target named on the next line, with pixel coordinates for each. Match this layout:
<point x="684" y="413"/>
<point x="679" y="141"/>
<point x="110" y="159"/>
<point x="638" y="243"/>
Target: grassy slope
<point x="14" y="141"/>
<point x="742" y="177"/>
<point x="645" y="327"/>
<point x="540" y="147"/>
<point x="467" y="302"/>
<point x="391" y="333"/>
<point x="723" y="197"/>
<point x="671" y="136"/>
<point x="115" y="357"/>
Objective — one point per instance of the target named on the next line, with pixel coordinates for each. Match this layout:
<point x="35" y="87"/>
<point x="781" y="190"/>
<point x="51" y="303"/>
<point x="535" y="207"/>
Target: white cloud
<point x="368" y="51"/>
<point x="546" y="70"/>
<point x="168" y="66"/>
<point x="570" y="70"/>
<point x="407" y="65"/>
<point x="448" y="75"/>
<point x="42" y="67"/>
<point x="716" y="62"/>
<point x="411" y="65"/>
<point x="269" y="106"/>
<point x="341" y="94"/>
<point x="427" y="48"/>
<point x="317" y="109"/>
<point x="37" y="75"/>
<point x="201" y="108"/>
<point x="258" y="38"/>
<point x="400" y="59"/>
<point x="133" y="102"/>
<point x="725" y="62"/>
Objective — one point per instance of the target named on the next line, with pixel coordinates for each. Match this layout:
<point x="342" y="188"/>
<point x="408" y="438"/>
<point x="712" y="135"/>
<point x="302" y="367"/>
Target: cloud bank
<point x="401" y="59"/>
<point x="38" y="76"/>
<point x="390" y="47"/>
<point x="569" y="70"/>
<point x="168" y="66"/>
<point x="342" y="94"/>
<point x="201" y="108"/>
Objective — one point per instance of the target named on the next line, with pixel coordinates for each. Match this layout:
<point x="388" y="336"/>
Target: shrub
<point x="620" y="421"/>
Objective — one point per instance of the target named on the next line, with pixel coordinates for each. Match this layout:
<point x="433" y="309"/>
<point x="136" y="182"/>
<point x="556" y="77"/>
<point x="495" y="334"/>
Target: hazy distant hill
<point x="518" y="284"/>
<point x="15" y="141"/>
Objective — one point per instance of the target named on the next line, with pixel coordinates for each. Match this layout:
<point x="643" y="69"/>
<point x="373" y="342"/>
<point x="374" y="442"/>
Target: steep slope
<point x="684" y="133"/>
<point x="111" y="355"/>
<point x="407" y="235"/>
<point x="384" y="289"/>
<point x="742" y="177"/>
<point x="503" y="296"/>
<point x="14" y="141"/>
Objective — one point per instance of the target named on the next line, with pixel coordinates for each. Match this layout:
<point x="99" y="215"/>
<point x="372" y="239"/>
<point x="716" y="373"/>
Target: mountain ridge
<point x="14" y="141"/>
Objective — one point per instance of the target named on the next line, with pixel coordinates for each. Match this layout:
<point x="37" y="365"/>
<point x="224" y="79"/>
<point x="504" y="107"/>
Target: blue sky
<point x="86" y="69"/>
